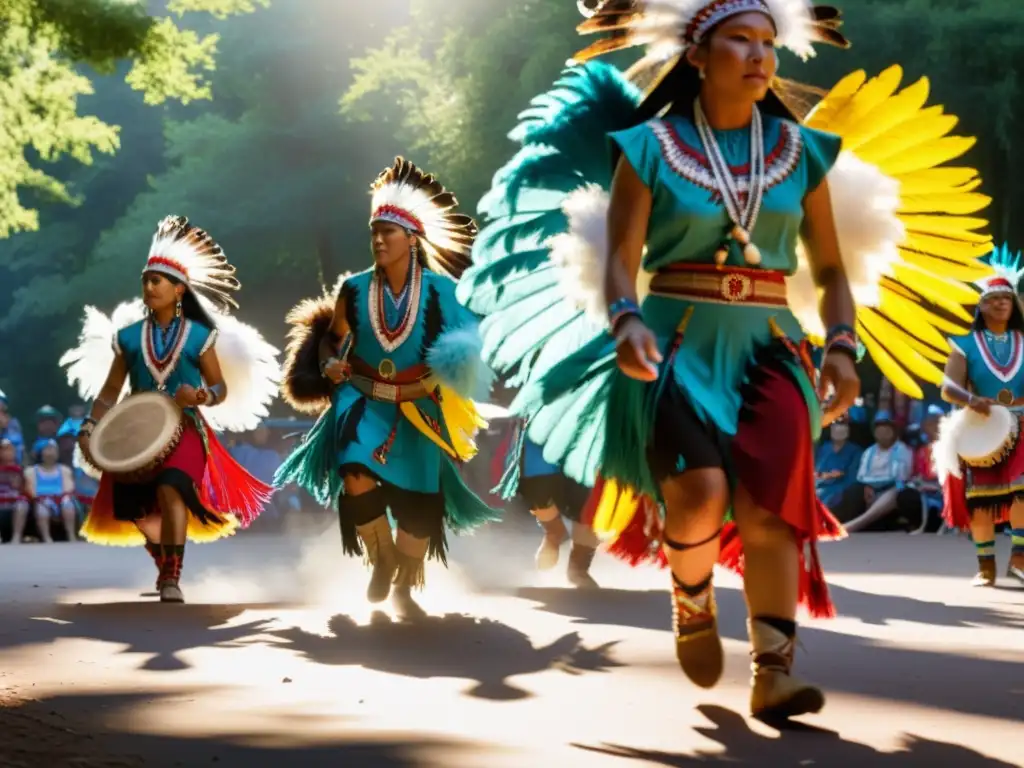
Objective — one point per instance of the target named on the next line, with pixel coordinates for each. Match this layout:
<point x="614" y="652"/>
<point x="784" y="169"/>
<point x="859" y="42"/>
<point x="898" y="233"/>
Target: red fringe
<point x="954" y="503"/>
<point x="500" y="460"/>
<point x="228" y="488"/>
<point x="731" y="553"/>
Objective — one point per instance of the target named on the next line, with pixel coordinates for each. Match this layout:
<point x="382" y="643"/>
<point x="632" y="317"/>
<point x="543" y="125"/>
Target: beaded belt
<point x="721" y="285"/>
<point x="387" y="385"/>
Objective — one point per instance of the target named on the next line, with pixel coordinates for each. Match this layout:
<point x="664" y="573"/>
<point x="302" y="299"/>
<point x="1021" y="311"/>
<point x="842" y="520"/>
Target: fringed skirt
<point x="984" y="490"/>
<point x="220" y="495"/>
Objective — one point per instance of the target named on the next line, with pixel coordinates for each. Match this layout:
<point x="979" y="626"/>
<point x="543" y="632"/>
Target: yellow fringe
<point x="110" y="532"/>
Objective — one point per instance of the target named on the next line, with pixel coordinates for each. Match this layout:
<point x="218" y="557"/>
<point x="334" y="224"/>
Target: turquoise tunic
<point x="413" y="461"/>
<point x="588" y="416"/>
<point x="994" y="362"/>
<point x="144" y="374"/>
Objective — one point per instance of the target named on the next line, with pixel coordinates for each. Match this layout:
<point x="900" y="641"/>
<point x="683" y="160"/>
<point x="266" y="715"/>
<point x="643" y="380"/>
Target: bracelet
<point x="620" y="309"/>
<point x="842" y="338"/>
<point x="325" y="363"/>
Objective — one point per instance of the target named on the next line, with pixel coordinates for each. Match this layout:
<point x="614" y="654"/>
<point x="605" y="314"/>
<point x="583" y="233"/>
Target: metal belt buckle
<point x="385" y="392"/>
<point x="1005" y="397"/>
<point x="387" y="369"/>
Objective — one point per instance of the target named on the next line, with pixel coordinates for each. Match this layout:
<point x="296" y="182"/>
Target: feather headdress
<point x="188" y="253"/>
<point x="668" y="27"/>
<point x="405" y="195"/>
<point x="1008" y="272"/>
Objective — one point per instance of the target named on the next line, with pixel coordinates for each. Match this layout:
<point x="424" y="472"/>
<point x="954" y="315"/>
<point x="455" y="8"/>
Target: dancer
<point x="669" y="362"/>
<point x="392" y="365"/>
<point x="551" y="497"/>
<point x="985" y="369"/>
<point x="180" y="340"/>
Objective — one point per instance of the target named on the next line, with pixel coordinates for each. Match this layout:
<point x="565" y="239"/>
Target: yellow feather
<point x="896" y="343"/>
<point x="900" y="109"/>
<point x="954" y="203"/>
<point x="954" y="269"/>
<point x="917" y="320"/>
<point x="936" y="180"/>
<point x="925" y="350"/>
<point x="926" y="126"/>
<point x="965" y="249"/>
<point x="890" y="368"/>
<point x="926" y="155"/>
<point x="824" y="112"/>
<point x="615" y="510"/>
<point x="872" y="93"/>
<point x="947" y="226"/>
<point x="949" y="294"/>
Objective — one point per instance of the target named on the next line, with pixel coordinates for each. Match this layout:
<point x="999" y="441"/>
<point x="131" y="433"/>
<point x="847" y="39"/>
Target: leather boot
<point x="776" y="694"/>
<point x="555" y="534"/>
<point x="170" y="573"/>
<point x="382" y="555"/>
<point x="410" y="575"/>
<point x="695" y="624"/>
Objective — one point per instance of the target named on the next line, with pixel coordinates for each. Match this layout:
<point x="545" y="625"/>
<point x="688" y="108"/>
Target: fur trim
<point x="455" y="359"/>
<point x="302" y="385"/>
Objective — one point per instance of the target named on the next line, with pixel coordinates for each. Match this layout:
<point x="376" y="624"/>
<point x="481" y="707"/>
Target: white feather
<point x="945" y="458"/>
<point x="581" y="253"/>
<point x="864" y="206"/>
<point x="89" y="363"/>
<point x="659" y="26"/>
<point x="252" y="374"/>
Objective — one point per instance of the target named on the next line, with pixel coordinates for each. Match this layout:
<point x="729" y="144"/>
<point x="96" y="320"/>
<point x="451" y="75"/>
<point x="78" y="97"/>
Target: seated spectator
<point x="885" y="468"/>
<point x="48" y="421"/>
<point x="923" y="494"/>
<point x="50" y="488"/>
<point x="836" y="465"/>
<point x="10" y="428"/>
<point x="12" y="486"/>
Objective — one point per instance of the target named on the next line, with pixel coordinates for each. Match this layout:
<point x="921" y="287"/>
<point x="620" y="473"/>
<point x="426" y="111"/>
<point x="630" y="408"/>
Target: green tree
<point x="43" y="46"/>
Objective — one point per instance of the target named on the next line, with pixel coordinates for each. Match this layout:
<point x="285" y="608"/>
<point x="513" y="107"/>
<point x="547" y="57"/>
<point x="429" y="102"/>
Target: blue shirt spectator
<point x="836" y="465"/>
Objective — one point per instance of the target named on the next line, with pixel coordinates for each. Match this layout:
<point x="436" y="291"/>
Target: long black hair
<point x="1015" y="323"/>
<point x="190" y="306"/>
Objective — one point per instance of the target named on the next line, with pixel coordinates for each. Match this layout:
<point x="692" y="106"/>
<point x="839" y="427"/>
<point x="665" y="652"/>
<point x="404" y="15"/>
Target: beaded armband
<point x="842" y="338"/>
<point x="619" y="310"/>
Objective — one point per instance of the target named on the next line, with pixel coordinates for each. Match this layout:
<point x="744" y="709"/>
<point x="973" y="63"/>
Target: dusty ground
<point x="277" y="657"/>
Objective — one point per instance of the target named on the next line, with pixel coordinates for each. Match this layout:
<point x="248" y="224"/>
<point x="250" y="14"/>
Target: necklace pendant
<point x="740" y="235"/>
<point x="722" y="255"/>
<point x="751" y="254"/>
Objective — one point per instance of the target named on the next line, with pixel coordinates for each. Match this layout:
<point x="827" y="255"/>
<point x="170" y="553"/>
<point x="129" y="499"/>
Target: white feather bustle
<point x="248" y="363"/>
<point x="581" y="253"/>
<point x="864" y="206"/>
<point x="945" y="458"/>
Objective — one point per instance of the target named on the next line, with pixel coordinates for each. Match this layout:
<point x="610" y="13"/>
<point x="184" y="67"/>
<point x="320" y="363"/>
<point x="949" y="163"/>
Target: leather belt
<point x="721" y="285"/>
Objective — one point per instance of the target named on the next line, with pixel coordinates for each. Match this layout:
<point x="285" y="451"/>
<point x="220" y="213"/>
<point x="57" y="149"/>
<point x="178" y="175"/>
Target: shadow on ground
<point x="800" y="746"/>
<point x="160" y="632"/>
<point x="67" y="732"/>
<point x="840" y="662"/>
<point x="454" y="645"/>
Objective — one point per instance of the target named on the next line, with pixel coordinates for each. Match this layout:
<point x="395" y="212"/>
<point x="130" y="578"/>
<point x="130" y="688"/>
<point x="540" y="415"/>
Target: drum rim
<point x="122" y="467"/>
<point x="1000" y="451"/>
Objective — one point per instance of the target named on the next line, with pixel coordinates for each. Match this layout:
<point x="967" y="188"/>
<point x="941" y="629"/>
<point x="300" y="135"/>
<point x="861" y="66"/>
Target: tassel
<point x="731" y="553"/>
<point x="633" y="545"/>
<point x="814" y="590"/>
<point x="235" y="490"/>
<point x="464" y="510"/>
<point x="954" y="509"/>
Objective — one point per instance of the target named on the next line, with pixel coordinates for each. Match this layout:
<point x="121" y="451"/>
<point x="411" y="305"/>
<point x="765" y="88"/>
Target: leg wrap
<point x="355" y="511"/>
<point x="170" y="566"/>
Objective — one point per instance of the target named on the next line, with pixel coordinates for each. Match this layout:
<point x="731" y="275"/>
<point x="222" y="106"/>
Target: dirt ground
<point x="276" y="657"/>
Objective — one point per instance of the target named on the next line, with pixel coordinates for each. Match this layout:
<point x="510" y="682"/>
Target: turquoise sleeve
<point x="820" y="152"/>
<point x="641" y="150"/>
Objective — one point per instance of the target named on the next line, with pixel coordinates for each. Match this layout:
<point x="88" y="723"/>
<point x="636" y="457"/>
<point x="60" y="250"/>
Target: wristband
<point x="620" y="309"/>
<point x="842" y="338"/>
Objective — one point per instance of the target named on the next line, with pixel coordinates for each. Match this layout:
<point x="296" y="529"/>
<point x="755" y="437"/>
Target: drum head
<point x="134" y="432"/>
<point x="980" y="437"/>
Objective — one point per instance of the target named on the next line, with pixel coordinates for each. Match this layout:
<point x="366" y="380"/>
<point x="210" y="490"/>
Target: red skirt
<point x="220" y="495"/>
<point x="991" y="490"/>
<point x="773" y="459"/>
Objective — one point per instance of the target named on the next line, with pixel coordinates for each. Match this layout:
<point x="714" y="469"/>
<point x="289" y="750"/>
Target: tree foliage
<point x="43" y="46"/>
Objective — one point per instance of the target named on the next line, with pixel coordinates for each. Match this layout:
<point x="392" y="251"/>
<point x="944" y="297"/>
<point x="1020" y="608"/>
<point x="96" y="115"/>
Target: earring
<point x="177" y="309"/>
<point x="414" y="250"/>
<point x="701" y="73"/>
